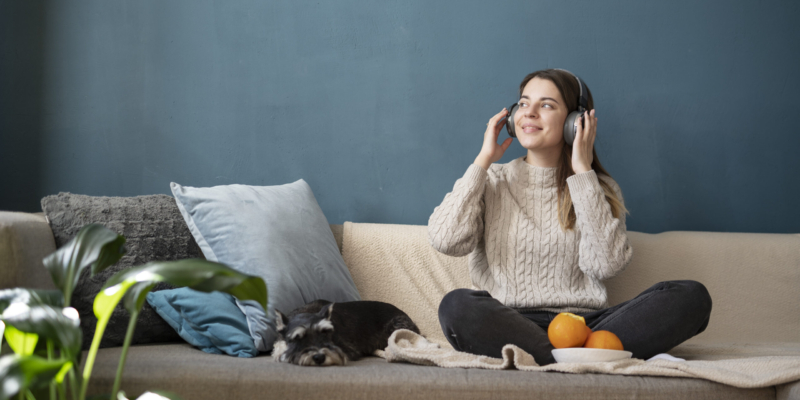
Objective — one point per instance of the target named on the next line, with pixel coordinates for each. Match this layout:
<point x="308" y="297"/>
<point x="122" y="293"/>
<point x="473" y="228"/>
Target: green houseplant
<point x="30" y="315"/>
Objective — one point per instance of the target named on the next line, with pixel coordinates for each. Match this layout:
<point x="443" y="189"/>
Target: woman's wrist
<point x="482" y="162"/>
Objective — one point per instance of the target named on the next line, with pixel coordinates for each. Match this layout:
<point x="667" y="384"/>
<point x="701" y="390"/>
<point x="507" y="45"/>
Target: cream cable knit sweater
<point x="522" y="257"/>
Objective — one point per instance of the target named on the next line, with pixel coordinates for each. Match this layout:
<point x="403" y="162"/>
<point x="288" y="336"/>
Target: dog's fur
<point x="322" y="333"/>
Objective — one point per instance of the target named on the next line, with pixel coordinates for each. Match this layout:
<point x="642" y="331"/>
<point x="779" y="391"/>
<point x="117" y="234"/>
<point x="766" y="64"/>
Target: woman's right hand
<point x="492" y="152"/>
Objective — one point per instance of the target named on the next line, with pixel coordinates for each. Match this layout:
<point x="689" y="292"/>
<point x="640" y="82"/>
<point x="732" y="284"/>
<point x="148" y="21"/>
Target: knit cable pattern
<point x="506" y="219"/>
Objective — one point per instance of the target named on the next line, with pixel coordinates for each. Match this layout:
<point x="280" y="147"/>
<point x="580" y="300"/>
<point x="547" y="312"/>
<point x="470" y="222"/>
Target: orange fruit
<point x="567" y="330"/>
<point x="603" y="340"/>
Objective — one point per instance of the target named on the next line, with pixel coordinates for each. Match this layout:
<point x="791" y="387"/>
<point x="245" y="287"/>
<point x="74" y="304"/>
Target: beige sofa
<point x="754" y="281"/>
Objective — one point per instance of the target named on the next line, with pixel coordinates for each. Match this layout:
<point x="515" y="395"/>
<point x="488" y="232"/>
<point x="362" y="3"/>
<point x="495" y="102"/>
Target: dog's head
<point x="308" y="339"/>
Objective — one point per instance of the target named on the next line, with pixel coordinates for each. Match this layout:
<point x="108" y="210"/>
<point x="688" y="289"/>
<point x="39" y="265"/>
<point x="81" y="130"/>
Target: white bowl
<point x="583" y="355"/>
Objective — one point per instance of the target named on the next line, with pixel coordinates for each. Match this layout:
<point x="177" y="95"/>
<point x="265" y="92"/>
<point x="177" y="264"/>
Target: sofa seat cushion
<point x="729" y="350"/>
<point x="196" y="375"/>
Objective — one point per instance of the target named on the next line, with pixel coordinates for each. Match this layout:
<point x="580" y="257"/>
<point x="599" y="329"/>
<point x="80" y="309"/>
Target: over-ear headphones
<point x="570" y="130"/>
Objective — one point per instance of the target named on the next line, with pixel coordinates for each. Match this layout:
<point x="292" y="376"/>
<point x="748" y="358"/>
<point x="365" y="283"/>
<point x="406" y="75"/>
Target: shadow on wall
<point x="22" y="33"/>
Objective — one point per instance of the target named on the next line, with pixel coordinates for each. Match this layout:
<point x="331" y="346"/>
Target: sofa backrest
<point x="753" y="278"/>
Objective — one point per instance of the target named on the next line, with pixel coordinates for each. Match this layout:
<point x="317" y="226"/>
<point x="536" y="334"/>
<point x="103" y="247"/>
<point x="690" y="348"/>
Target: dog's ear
<point x="280" y="321"/>
<point x="326" y="311"/>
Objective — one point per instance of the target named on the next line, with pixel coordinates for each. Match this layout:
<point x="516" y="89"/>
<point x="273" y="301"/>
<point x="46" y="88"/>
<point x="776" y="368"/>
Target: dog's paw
<point x="278" y="349"/>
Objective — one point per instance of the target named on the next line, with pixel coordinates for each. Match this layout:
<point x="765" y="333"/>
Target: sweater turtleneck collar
<point x="537" y="176"/>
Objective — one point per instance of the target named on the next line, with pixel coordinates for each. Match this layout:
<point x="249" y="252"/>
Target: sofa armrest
<point x="25" y="239"/>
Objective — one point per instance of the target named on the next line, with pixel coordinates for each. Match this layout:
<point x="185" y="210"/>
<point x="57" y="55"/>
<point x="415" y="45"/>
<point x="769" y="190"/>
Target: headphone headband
<point x="583" y="98"/>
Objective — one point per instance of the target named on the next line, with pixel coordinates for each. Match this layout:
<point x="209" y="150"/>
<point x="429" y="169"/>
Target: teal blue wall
<point x="381" y="106"/>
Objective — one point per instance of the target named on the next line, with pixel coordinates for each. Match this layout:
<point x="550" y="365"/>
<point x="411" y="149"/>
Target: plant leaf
<point x="18" y="373"/>
<point x="30" y="297"/>
<point x="158" y="395"/>
<point x="197" y="274"/>
<point x="22" y="343"/>
<point x="107" y="300"/>
<point x="63" y="372"/>
<point x="48" y="322"/>
<point x="94" y="245"/>
<point x="136" y="296"/>
<point x="134" y="283"/>
<point x="104" y="304"/>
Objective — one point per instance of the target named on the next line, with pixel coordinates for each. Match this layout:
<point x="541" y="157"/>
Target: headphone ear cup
<point x="570" y="130"/>
<point x="510" y="120"/>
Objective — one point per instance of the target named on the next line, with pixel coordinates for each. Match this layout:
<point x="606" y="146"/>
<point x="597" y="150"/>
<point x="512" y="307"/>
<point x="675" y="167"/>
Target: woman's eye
<point x="523" y="105"/>
<point x="547" y="105"/>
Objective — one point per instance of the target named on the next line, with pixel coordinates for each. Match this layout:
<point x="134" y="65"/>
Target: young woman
<point x="542" y="233"/>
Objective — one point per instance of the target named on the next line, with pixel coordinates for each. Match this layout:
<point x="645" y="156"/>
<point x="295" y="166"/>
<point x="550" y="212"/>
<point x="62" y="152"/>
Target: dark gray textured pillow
<point x="154" y="231"/>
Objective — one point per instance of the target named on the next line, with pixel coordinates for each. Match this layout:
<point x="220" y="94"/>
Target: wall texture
<point x="381" y="106"/>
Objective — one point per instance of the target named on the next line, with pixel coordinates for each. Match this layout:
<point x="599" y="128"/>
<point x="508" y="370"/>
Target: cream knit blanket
<point x="755" y="372"/>
<point x="397" y="265"/>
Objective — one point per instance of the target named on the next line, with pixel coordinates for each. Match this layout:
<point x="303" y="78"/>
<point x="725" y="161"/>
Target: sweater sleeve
<point x="456" y="225"/>
<point x="604" y="249"/>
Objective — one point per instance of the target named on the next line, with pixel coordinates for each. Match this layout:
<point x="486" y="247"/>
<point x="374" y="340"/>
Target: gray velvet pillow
<point x="154" y="230"/>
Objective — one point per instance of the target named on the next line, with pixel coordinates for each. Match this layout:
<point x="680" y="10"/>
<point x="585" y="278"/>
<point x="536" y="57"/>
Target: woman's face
<point x="539" y="122"/>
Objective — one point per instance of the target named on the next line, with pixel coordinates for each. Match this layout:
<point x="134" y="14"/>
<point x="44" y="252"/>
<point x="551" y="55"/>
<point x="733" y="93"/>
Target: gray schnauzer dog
<point x="322" y="333"/>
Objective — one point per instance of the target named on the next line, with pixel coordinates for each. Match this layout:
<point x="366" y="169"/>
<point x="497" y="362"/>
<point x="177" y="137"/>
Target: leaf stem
<point x="87" y="369"/>
<point x="73" y="383"/>
<point x="50" y="357"/>
<point x="125" y="346"/>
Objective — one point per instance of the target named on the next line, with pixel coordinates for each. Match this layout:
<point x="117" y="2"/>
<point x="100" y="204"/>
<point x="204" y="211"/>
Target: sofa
<point x="753" y="279"/>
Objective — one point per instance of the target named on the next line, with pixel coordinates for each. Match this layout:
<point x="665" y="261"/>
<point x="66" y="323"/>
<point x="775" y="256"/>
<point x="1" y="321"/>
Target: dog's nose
<point x="318" y="358"/>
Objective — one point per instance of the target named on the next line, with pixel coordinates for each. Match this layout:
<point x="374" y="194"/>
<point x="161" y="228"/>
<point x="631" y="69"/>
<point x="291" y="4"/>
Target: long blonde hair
<point x="570" y="90"/>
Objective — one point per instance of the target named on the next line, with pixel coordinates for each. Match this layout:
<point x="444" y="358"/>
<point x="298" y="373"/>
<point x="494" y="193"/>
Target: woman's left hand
<point x="584" y="143"/>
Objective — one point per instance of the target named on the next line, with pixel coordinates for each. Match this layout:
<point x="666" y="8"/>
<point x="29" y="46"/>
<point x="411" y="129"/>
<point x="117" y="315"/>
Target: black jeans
<point x="660" y="318"/>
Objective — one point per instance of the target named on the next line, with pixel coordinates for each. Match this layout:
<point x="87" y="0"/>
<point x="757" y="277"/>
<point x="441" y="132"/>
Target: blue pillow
<point x="209" y="321"/>
<point x="276" y="232"/>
